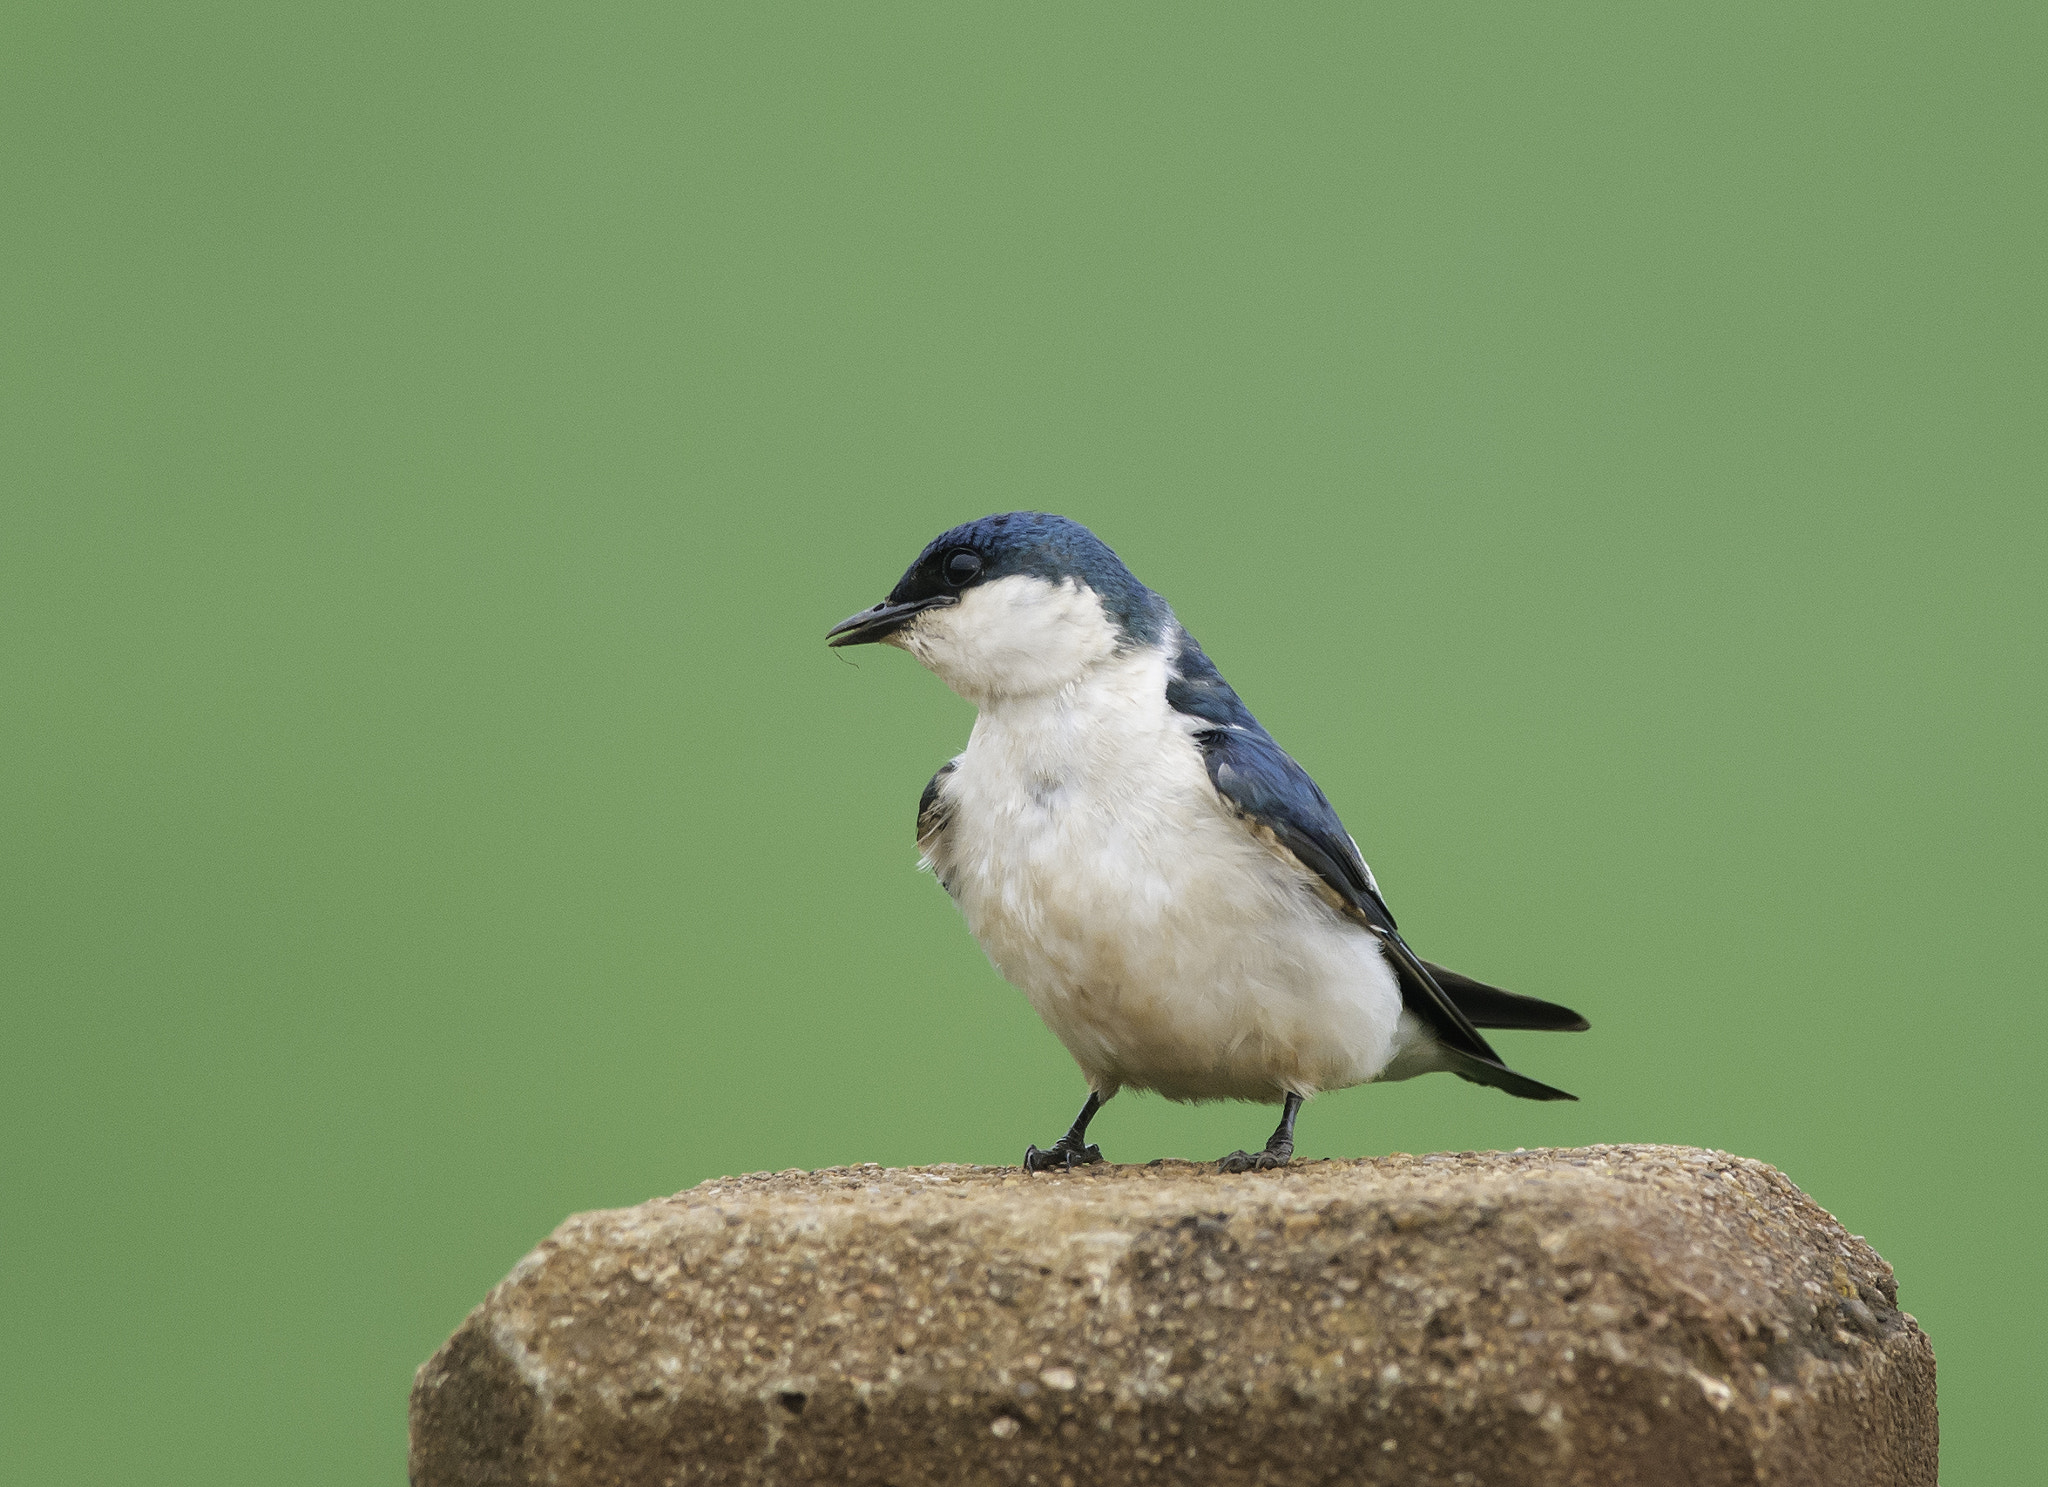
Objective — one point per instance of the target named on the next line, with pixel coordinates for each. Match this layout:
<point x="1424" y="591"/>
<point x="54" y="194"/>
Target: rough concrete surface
<point x="1610" y="1315"/>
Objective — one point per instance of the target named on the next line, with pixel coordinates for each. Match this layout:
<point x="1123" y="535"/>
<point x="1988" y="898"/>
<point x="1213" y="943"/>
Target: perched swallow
<point x="1171" y="891"/>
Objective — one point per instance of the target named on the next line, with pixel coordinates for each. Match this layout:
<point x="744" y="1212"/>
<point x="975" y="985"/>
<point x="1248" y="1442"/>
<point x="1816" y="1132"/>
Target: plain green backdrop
<point x="1604" y="443"/>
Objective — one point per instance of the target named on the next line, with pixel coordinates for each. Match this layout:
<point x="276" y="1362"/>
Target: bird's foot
<point x="1275" y="1153"/>
<point x="1065" y="1156"/>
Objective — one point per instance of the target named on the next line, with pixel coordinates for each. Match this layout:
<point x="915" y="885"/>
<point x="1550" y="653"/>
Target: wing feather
<point x="1277" y="800"/>
<point x="934" y="815"/>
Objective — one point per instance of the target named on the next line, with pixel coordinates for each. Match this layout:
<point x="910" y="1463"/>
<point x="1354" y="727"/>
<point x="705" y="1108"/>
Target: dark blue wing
<point x="1270" y="791"/>
<point x="1262" y="781"/>
<point x="1259" y="778"/>
<point x="934" y="815"/>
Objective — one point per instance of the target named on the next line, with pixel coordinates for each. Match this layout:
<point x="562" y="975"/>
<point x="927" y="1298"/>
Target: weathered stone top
<point x="1600" y="1315"/>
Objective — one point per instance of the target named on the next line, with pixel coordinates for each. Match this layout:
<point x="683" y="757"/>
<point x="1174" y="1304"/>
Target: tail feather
<point x="1489" y="1006"/>
<point x="1460" y="1047"/>
<point x="1481" y="1071"/>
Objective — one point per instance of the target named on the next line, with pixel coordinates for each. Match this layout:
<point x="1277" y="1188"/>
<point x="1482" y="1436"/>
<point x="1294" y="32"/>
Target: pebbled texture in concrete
<point x="1610" y="1315"/>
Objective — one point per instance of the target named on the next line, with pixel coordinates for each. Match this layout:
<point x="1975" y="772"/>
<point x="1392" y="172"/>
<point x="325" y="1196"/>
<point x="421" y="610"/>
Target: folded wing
<point x="1278" y="801"/>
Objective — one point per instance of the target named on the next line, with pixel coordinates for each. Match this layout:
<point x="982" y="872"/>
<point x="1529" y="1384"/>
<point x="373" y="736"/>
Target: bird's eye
<point x="962" y="566"/>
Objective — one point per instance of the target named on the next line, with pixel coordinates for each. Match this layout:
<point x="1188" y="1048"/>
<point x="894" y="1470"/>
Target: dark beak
<point x="884" y="620"/>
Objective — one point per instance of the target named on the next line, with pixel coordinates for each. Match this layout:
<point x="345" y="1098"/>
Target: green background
<point x="1605" y="445"/>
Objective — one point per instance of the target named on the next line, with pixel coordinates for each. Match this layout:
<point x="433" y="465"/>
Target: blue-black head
<point x="1015" y="544"/>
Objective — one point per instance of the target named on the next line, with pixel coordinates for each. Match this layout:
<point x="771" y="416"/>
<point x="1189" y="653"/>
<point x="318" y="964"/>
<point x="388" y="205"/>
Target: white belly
<point x="1162" y="944"/>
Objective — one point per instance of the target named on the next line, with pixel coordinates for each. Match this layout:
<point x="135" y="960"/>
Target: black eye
<point x="961" y="567"/>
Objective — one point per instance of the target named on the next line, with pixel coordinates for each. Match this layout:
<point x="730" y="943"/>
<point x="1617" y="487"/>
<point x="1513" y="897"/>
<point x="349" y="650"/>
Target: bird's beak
<point x="884" y="620"/>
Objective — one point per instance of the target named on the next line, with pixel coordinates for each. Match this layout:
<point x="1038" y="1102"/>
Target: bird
<point x="1170" y="890"/>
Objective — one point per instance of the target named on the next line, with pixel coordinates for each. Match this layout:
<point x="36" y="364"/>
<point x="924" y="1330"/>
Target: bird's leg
<point x="1071" y="1150"/>
<point x="1279" y="1146"/>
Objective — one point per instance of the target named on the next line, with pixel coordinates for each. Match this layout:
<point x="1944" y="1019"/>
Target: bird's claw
<point x="1062" y="1156"/>
<point x="1255" y="1161"/>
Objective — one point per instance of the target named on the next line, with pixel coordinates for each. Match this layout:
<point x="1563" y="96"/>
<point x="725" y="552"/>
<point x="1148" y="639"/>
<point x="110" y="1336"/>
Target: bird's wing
<point x="1267" y="788"/>
<point x="934" y="815"/>
<point x="1282" y="806"/>
<point x="1277" y="800"/>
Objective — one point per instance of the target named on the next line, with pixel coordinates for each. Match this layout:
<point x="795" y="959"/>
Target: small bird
<point x="1169" y="889"/>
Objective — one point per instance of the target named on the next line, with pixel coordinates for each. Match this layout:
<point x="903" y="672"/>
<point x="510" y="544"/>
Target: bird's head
<point x="1011" y="606"/>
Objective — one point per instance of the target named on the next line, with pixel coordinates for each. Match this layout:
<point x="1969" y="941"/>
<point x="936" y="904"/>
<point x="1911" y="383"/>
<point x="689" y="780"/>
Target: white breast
<point x="1160" y="941"/>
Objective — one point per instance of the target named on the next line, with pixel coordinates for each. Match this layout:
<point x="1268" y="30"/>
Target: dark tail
<point x="1465" y="1052"/>
<point x="1500" y="1076"/>
<point x="1489" y="1006"/>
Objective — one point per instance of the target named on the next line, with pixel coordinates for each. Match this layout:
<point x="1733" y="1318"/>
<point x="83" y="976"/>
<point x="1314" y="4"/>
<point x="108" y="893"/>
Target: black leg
<point x="1071" y="1150"/>
<point x="1279" y="1147"/>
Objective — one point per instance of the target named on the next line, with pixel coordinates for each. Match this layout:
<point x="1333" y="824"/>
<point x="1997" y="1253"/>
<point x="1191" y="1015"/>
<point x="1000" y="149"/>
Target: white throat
<point x="1013" y="637"/>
